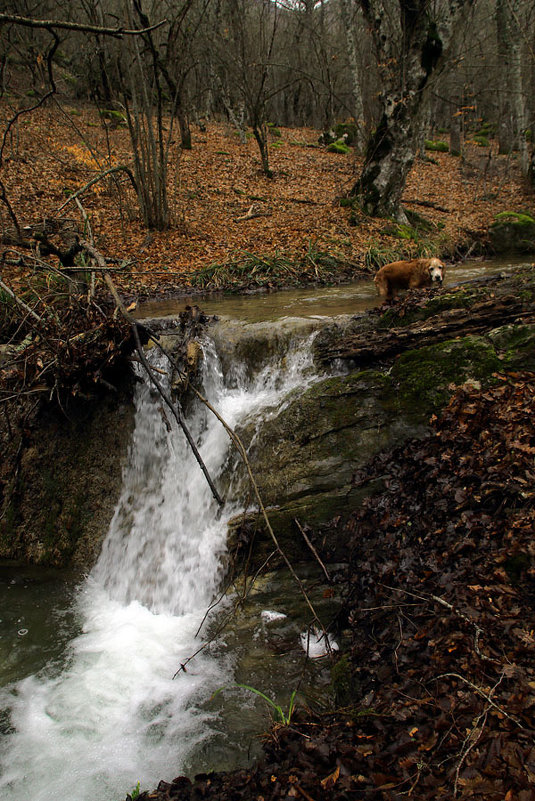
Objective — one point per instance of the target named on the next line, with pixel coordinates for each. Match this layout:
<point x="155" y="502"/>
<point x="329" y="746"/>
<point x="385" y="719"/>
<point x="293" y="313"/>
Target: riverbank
<point x="232" y="226"/>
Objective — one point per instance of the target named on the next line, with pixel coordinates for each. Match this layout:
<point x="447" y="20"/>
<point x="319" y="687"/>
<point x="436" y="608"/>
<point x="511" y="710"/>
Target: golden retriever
<point x="408" y="275"/>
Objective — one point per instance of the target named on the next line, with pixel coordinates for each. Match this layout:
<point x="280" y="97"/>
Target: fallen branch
<point x="482" y="315"/>
<point x="482" y="693"/>
<point x="253" y="212"/>
<point x="314" y="551"/>
<point x="20" y="302"/>
<point x="96" y="179"/>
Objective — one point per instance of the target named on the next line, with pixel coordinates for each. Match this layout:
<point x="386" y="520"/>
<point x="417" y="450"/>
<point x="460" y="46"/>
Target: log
<point x="366" y="348"/>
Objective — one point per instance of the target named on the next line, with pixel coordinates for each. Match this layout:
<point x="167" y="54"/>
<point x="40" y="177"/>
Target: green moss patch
<point x="437" y="146"/>
<point x="513" y="232"/>
<point x="424" y="376"/>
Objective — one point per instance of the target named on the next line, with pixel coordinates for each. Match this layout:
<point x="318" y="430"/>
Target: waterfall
<point x="111" y="714"/>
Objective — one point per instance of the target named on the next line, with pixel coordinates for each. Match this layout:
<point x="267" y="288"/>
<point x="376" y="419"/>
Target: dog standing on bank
<point x="413" y="274"/>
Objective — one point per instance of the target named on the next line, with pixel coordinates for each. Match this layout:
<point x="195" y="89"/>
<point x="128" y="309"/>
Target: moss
<point x="346" y="130"/>
<point x="345" y="687"/>
<point x="274" y="131"/>
<point x="487" y="129"/>
<point x="418" y="221"/>
<point x="518" y="217"/>
<point x="481" y="141"/>
<point x="338" y="147"/>
<point x="437" y="146"/>
<point x="406" y="232"/>
<point x="462" y="299"/>
<point x="516" y="345"/>
<point x="513" y="231"/>
<point x="424" y="376"/>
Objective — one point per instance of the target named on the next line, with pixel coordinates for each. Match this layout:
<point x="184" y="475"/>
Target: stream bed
<point x="92" y="695"/>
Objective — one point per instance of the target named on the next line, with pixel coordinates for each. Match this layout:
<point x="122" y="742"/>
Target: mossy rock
<point x="516" y="346"/>
<point x="424" y="377"/>
<point x="437" y="146"/>
<point x="114" y="118"/>
<point x="304" y="458"/>
<point x="513" y="232"/>
<point x="338" y="147"/>
<point x="348" y="131"/>
<point x="481" y="141"/>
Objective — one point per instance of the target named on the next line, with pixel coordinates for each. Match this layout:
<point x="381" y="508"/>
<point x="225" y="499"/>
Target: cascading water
<point x="111" y="715"/>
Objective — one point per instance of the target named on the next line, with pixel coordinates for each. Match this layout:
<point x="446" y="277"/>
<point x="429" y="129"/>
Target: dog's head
<point x="436" y="270"/>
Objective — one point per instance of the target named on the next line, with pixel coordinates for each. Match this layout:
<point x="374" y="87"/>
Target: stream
<point x="89" y="705"/>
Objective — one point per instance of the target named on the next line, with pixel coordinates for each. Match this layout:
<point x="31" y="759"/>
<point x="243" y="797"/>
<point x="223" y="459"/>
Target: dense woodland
<point x="399" y="71"/>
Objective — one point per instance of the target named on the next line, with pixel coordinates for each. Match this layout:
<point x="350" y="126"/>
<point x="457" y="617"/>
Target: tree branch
<point x="51" y="24"/>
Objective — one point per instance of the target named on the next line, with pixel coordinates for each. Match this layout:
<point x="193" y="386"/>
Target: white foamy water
<point x="112" y="715"/>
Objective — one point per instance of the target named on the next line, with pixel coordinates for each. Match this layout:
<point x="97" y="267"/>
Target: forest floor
<point x="55" y="151"/>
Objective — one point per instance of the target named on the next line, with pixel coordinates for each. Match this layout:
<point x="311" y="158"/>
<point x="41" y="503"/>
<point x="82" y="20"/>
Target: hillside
<point x="297" y="214"/>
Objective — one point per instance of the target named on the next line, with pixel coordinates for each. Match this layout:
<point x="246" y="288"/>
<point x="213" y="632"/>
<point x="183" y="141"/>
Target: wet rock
<point x="513" y="232"/>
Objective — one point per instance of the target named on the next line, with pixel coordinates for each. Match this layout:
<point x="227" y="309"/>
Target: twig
<point x="481" y="693"/>
<point x="314" y="551"/>
<point x="462" y="615"/>
<point x="472" y="738"/>
<point x="50" y="24"/>
<point x="252" y="213"/>
<point x="20" y="302"/>
<point x="40" y="262"/>
<point x="471" y="622"/>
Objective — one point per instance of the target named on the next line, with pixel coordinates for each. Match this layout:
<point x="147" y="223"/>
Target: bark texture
<point x="512" y="122"/>
<point x="411" y="39"/>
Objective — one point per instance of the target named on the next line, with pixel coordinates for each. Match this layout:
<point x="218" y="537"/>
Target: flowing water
<point x="103" y="711"/>
<point x="86" y="670"/>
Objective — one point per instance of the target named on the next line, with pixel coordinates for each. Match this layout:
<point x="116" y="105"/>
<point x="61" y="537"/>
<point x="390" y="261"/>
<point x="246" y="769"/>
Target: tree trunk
<point x="389" y="156"/>
<point x="261" y="135"/>
<point x="362" y="350"/>
<point x="348" y="23"/>
<point x="512" y="120"/>
<point x="410" y="45"/>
